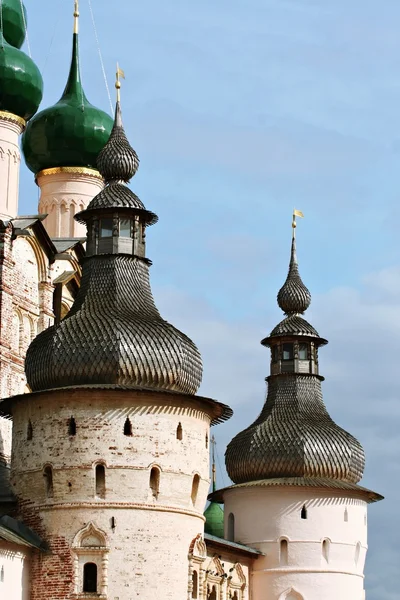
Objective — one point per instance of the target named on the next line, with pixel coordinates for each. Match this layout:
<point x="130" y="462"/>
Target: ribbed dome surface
<point x="69" y="134"/>
<point x="294" y="297"/>
<point x="294" y="325"/>
<point x="13" y="22"/>
<point x="21" y="84"/>
<point x="294" y="436"/>
<point x="114" y="334"/>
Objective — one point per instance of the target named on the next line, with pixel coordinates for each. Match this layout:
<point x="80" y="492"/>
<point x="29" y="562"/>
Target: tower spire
<point x="214" y="475"/>
<point x="76" y="16"/>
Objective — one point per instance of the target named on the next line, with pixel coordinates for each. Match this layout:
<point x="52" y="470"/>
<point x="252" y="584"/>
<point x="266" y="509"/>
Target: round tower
<point x="110" y="451"/>
<point x="61" y="145"/>
<point x="21" y="89"/>
<point x="297" y="497"/>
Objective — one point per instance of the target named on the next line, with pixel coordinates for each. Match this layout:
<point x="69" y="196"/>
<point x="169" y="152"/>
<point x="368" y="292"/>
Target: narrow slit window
<point x="325" y="550"/>
<point x="90" y="578"/>
<point x="155" y="481"/>
<point x="2" y="575"/>
<point x="207" y="441"/>
<point x="346" y="515"/>
<point x="29" y="431"/>
<point x="284" y="552"/>
<point x="100" y="481"/>
<point x="71" y="426"/>
<point x="357" y="553"/>
<point x="195" y="584"/>
<point x="48" y="481"/>
<point x="304" y="512"/>
<point x="128" y="427"/>
<point x="179" y="432"/>
<point x="231" y="527"/>
<point x="195" y="488"/>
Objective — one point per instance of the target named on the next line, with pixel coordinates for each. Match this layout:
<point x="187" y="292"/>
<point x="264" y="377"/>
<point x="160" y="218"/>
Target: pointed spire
<point x="214" y="475"/>
<point x="118" y="161"/>
<point x="74" y="84"/>
<point x="294" y="297"/>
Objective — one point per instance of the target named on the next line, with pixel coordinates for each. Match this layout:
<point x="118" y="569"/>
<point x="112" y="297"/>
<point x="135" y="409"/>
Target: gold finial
<point x="76" y="16"/>
<point x="296" y="213"/>
<point x="120" y="74"/>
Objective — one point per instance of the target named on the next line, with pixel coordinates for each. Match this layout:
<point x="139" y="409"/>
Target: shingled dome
<point x="114" y="334"/>
<point x="294" y="436"/>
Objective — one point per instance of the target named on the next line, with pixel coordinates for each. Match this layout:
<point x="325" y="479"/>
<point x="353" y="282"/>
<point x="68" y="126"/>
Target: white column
<point x="11" y="128"/>
<point x="65" y="191"/>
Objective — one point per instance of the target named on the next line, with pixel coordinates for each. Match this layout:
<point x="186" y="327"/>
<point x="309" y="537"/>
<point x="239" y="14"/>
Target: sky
<point x="241" y="111"/>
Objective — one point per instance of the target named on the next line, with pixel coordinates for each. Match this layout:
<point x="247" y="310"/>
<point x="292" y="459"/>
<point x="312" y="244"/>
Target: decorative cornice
<point x="123" y="505"/>
<point x="70" y="170"/>
<point x="7" y="116"/>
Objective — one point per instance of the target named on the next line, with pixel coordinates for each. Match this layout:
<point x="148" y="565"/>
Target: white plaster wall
<point x="148" y="549"/>
<point x="10" y="159"/>
<point x="62" y="195"/>
<point x="5" y="439"/>
<point x="14" y="565"/>
<point x="264" y="516"/>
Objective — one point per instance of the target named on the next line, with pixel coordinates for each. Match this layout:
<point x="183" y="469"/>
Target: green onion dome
<point x="21" y="84"/>
<point x="214" y="516"/>
<point x="69" y="134"/>
<point x="14" y="22"/>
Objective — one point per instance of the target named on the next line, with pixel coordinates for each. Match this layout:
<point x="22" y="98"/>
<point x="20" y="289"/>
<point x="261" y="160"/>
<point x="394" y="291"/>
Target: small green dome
<point x="21" y="84"/>
<point x="214" y="524"/>
<point x="69" y="134"/>
<point x="14" y="22"/>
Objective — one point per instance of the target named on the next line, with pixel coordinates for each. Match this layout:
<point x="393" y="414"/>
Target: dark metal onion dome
<point x="294" y="436"/>
<point x="114" y="334"/>
<point x="293" y="297"/>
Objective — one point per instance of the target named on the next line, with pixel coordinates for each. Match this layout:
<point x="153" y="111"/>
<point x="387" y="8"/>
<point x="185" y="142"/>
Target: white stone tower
<point x="60" y="145"/>
<point x="297" y="497"/>
<point x="110" y="459"/>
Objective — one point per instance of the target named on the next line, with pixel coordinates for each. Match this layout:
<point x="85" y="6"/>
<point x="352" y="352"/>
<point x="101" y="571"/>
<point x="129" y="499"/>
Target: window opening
<point x="195" y="488"/>
<point x="29" y="431"/>
<point x="48" y="481"/>
<point x="207" y="440"/>
<point x="303" y="352"/>
<point x="90" y="577"/>
<point x="304" y="512"/>
<point x="125" y="228"/>
<point x="231" y="527"/>
<point x="287" y="353"/>
<point x="72" y="426"/>
<point x="155" y="481"/>
<point x="100" y="481"/>
<point x="179" y="432"/>
<point x="194" y="584"/>
<point x="128" y="427"/>
<point x="284" y="552"/>
<point x="213" y="594"/>
<point x="325" y="550"/>
<point x="2" y="575"/>
<point x="346" y="515"/>
<point x="357" y="553"/>
<point x="106" y="228"/>
<point x="275" y="353"/>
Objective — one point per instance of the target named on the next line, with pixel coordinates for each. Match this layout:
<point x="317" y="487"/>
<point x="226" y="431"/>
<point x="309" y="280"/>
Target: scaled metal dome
<point x="72" y="132"/>
<point x="114" y="334"/>
<point x="294" y="436"/>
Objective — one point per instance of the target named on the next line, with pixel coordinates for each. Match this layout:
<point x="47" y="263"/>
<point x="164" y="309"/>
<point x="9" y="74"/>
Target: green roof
<point x="14" y="22"/>
<point x="69" y="134"/>
<point x="214" y="524"/>
<point x="21" y="84"/>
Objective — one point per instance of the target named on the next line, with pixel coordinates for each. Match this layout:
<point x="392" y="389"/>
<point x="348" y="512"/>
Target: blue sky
<point x="240" y="111"/>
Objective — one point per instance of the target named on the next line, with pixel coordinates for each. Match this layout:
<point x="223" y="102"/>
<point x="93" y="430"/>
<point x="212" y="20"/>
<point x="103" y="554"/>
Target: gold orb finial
<point x="120" y="73"/>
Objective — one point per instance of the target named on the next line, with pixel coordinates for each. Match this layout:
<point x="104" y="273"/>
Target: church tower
<point x="296" y="496"/>
<point x="110" y="460"/>
<point x="21" y="90"/>
<point x="61" y="145"/>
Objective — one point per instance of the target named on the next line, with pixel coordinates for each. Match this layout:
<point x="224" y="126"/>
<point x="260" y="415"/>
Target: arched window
<point x="128" y="427"/>
<point x="325" y="550"/>
<point x="29" y="431"/>
<point x="195" y="488"/>
<point x="304" y="512"/>
<point x="212" y="594"/>
<point x="231" y="527"/>
<point x="179" y="432"/>
<point x="357" y="553"/>
<point x="90" y="577"/>
<point x="72" y="426"/>
<point x="48" y="481"/>
<point x="195" y="584"/>
<point x="284" y="552"/>
<point x="100" y="481"/>
<point x="346" y="515"/>
<point x="2" y="575"/>
<point x="155" y="481"/>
